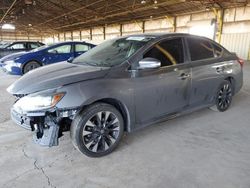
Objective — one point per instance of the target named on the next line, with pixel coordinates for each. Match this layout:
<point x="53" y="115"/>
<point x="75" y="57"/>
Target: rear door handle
<point x="184" y="76"/>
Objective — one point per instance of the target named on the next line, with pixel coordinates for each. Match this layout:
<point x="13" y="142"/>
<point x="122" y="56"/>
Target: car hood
<point x="54" y="76"/>
<point x="12" y="56"/>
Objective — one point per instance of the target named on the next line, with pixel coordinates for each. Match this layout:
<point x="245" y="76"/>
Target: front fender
<point x="87" y="92"/>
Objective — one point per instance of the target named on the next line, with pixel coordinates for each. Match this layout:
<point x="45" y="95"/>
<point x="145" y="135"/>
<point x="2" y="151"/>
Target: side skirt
<point x="167" y="117"/>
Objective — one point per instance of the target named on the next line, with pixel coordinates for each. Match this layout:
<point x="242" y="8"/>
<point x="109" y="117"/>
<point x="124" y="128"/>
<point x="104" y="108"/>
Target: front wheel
<point x="30" y="66"/>
<point x="97" y="130"/>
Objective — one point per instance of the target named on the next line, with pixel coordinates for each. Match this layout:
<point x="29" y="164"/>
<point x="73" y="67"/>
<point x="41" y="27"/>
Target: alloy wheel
<point x="30" y="66"/>
<point x="101" y="131"/>
<point x="224" y="97"/>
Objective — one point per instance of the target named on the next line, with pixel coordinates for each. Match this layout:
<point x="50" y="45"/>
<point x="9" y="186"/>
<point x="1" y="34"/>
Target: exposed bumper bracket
<point x="49" y="137"/>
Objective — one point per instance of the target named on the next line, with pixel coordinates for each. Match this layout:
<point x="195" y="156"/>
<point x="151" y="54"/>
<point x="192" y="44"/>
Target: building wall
<point x="12" y="36"/>
<point x="236" y="31"/>
<point x="237" y="42"/>
<point x="166" y="24"/>
<point x="159" y="25"/>
<point x="235" y="21"/>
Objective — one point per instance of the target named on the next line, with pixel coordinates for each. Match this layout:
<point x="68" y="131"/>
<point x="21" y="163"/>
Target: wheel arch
<point x="23" y="65"/>
<point x="119" y="106"/>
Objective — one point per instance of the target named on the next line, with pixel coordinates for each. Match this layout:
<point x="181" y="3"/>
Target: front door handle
<point x="183" y="76"/>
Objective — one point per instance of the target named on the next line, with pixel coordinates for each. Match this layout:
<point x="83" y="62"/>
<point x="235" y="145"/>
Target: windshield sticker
<point x="139" y="38"/>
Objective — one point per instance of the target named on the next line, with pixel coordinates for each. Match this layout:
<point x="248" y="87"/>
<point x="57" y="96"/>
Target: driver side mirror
<point x="149" y="63"/>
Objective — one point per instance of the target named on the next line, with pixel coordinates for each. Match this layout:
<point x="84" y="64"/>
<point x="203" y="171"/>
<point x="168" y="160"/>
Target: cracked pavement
<point x="203" y="149"/>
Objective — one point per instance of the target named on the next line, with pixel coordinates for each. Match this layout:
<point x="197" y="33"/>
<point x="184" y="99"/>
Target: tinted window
<point x="81" y="47"/>
<point x="169" y="52"/>
<point x="199" y="49"/>
<point x="34" y="45"/>
<point x="61" y="49"/>
<point x="217" y="51"/>
<point x="17" y="46"/>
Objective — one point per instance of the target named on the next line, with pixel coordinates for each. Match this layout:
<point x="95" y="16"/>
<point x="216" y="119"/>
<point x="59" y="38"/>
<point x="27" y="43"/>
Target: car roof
<point x="65" y="42"/>
<point x="69" y="42"/>
<point x="159" y="34"/>
<point x="162" y="35"/>
<point x="23" y="41"/>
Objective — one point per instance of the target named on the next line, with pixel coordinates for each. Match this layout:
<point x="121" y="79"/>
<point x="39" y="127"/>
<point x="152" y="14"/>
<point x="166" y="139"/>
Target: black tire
<point x="30" y="66"/>
<point x="224" y="96"/>
<point x="97" y="130"/>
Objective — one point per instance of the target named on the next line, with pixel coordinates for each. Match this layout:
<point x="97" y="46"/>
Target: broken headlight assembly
<point x="37" y="102"/>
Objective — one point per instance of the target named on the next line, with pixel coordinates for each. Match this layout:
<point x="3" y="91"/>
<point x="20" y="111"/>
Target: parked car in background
<point x="18" y="46"/>
<point x="2" y="43"/>
<point x="23" y="62"/>
<point x="122" y="85"/>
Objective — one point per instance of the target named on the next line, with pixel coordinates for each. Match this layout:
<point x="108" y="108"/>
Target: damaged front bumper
<point x="45" y="125"/>
<point x="21" y="120"/>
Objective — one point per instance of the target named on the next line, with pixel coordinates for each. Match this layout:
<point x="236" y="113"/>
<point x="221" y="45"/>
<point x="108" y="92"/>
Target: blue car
<point x="23" y="62"/>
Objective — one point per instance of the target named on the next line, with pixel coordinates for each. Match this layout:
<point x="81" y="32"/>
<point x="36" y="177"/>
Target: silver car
<point x="124" y="84"/>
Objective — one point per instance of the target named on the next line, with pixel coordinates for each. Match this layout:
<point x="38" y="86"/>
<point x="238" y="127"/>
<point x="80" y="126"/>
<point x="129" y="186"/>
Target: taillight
<point x="241" y="62"/>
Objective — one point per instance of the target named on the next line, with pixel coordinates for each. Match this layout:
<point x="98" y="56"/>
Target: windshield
<point x="112" y="52"/>
<point x="4" y="45"/>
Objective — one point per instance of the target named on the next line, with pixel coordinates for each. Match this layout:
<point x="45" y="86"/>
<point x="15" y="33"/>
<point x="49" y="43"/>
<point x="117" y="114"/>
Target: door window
<point x="34" y="45"/>
<point x="81" y="48"/>
<point x="169" y="52"/>
<point x="199" y="49"/>
<point x="64" y="49"/>
<point x="217" y="51"/>
<point x="17" y="46"/>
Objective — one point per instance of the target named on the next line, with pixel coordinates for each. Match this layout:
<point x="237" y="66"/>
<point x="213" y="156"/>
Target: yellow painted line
<point x="167" y="54"/>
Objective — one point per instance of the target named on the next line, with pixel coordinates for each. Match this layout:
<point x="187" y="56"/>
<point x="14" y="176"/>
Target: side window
<point x="64" y="49"/>
<point x="199" y="49"/>
<point x="33" y="45"/>
<point x="81" y="48"/>
<point x="217" y="50"/>
<point x="169" y="52"/>
<point x="17" y="46"/>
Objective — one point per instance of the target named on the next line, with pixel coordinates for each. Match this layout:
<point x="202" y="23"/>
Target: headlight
<point x="37" y="102"/>
<point x="9" y="62"/>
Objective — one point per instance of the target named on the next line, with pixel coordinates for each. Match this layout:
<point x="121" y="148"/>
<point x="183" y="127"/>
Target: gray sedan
<point x="124" y="84"/>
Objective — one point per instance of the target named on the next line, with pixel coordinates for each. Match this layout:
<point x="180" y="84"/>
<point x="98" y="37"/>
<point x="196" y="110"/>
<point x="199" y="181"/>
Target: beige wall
<point x="236" y="20"/>
<point x="237" y="42"/>
<point x="12" y="36"/>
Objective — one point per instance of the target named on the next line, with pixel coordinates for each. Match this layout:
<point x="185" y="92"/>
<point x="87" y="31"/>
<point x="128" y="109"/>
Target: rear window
<point x="34" y="45"/>
<point x="200" y="49"/>
<point x="81" y="47"/>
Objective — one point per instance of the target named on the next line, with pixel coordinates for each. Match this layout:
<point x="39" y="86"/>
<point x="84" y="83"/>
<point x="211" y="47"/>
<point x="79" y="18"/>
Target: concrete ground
<point x="204" y="149"/>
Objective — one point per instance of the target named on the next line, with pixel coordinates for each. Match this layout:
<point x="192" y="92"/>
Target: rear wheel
<point x="224" y="96"/>
<point x="30" y="66"/>
<point x="97" y="130"/>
